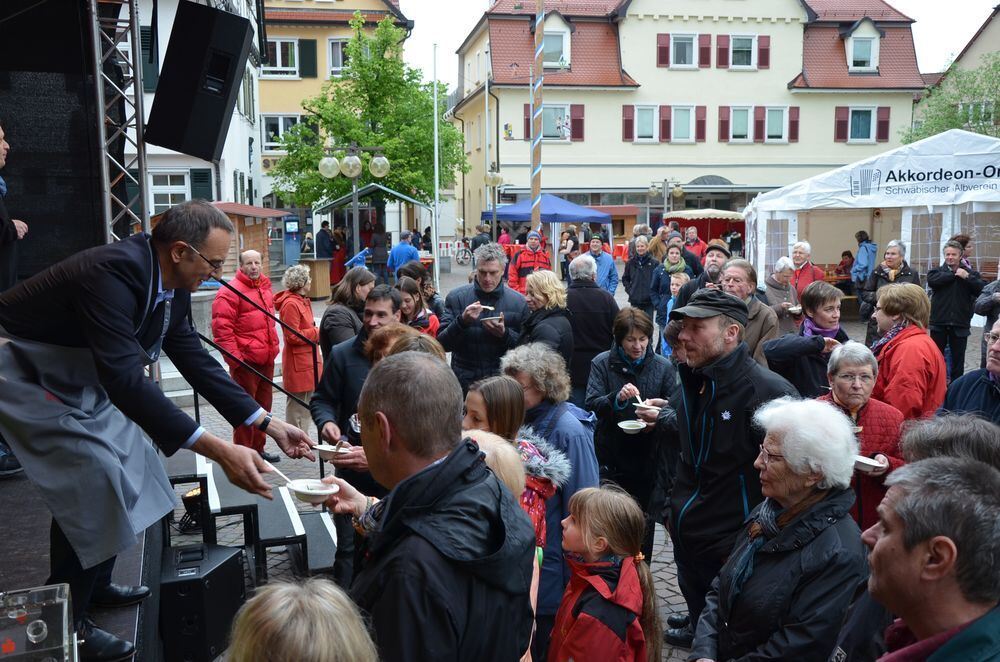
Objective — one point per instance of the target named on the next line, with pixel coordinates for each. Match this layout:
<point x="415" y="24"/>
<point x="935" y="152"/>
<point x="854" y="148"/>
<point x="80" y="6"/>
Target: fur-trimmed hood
<point x="553" y="465"/>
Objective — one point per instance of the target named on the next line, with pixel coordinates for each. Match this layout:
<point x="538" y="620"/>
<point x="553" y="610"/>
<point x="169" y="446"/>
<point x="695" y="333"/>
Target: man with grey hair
<point x="436" y="583"/>
<point x="592" y="319"/>
<point x="739" y="278"/>
<point x="979" y="391"/>
<point x="482" y="320"/>
<point x="243" y="327"/>
<point x="933" y="560"/>
<point x="76" y="406"/>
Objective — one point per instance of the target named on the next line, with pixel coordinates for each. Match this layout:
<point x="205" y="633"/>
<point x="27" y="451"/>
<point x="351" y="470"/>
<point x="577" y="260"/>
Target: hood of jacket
<point x="458" y="507"/>
<point x="618" y="583"/>
<point x="553" y="466"/>
<point x="262" y="282"/>
<point x="286" y="295"/>
<point x="807" y="526"/>
<point x="536" y="317"/>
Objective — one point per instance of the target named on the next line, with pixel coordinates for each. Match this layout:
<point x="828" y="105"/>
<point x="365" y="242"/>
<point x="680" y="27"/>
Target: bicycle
<point x="463" y="255"/>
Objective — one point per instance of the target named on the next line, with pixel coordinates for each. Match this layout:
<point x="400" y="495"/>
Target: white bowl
<point x="632" y="427"/>
<point x="866" y="464"/>
<point x="795" y="310"/>
<point x="328" y="451"/>
<point x="312" y="490"/>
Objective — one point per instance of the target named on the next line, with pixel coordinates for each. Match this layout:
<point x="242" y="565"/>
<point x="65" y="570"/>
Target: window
<point x="275" y="127"/>
<point x="645" y="124"/>
<point x="337" y="56"/>
<point x="744" y="52"/>
<point x="555" y="46"/>
<point x="682" y="124"/>
<point x="168" y="189"/>
<point x="282" y="57"/>
<point x="682" y="52"/>
<point x="861" y="55"/>
<point x="555" y="122"/>
<point x="776" y="130"/>
<point x="861" y="126"/>
<point x="740" y="125"/>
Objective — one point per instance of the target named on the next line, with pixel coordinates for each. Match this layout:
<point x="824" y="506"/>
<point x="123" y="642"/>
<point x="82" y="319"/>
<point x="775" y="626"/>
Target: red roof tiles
<point x="564" y="7"/>
<point x="824" y="61"/>
<point x="319" y="15"/>
<point x="595" y="59"/>
<point x="852" y="10"/>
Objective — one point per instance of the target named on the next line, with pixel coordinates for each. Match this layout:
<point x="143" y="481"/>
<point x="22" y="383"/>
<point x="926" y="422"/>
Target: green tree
<point x="377" y="101"/>
<point x="964" y="99"/>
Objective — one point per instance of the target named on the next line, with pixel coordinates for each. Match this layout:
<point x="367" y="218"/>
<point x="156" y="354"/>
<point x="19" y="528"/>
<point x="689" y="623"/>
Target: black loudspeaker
<point x="199" y="81"/>
<point x="201" y="589"/>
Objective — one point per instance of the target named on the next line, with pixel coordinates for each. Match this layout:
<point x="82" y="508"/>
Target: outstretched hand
<point x="293" y="442"/>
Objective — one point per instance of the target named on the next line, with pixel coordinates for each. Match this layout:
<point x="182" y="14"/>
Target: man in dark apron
<point x="77" y="409"/>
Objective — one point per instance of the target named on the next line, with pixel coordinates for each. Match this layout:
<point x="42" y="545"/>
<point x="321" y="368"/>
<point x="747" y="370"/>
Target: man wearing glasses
<point x="979" y="392"/>
<point x="77" y="408"/>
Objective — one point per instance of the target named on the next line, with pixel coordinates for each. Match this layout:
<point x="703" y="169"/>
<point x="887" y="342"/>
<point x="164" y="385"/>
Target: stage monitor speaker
<point x="200" y="78"/>
<point x="201" y="589"/>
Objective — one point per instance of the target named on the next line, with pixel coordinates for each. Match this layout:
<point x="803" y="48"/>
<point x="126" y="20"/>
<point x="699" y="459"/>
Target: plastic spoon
<point x="278" y="471"/>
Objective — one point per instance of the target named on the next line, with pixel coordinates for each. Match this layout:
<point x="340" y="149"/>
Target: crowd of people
<point x="507" y="455"/>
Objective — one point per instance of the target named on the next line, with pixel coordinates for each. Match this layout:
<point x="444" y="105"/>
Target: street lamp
<point x="350" y="166"/>
<point x="493" y="179"/>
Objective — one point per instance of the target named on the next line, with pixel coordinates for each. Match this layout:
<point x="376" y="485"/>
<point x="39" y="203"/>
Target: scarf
<point x="674" y="268"/>
<point x="892" y="273"/>
<point x="889" y="335"/>
<point x="635" y="364"/>
<point x="810" y="328"/>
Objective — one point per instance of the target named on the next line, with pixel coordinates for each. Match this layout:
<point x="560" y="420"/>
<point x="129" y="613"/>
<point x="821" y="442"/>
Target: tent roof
<point x="952" y="167"/>
<point x="554" y="210"/>
<point x="699" y="214"/>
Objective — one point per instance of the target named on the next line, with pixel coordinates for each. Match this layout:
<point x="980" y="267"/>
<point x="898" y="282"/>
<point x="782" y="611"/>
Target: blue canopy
<point x="554" y="210"/>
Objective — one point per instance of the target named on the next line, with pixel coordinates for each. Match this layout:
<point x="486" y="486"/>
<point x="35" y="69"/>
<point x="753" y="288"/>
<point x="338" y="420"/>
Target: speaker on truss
<point x="199" y="81"/>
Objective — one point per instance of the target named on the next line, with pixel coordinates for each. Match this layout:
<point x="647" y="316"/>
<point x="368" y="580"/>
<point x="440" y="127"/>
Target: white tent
<point x="945" y="184"/>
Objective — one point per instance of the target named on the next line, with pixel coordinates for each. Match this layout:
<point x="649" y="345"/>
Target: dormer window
<point x="555" y="46"/>
<point x="861" y="55"/>
<point x="861" y="45"/>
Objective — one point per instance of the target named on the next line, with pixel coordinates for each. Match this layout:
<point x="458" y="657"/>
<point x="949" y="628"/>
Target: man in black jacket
<point x="437" y="583"/>
<point x="716" y="256"/>
<point x="716" y="485"/>
<point x="482" y="320"/>
<point x="593" y="317"/>
<point x="955" y="286"/>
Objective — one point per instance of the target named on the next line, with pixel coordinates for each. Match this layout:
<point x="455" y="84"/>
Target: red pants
<point x="261" y="391"/>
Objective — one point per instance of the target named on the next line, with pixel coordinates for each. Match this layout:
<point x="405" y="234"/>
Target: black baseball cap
<point x="707" y="302"/>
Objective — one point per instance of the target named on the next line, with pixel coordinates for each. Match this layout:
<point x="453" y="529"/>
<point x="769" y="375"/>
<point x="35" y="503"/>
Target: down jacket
<point x="298" y="374"/>
<point x="637" y="280"/>
<point x="792" y="605"/>
<point x="594" y="310"/>
<point x="551" y="326"/>
<point x="868" y="293"/>
<point x="911" y="374"/>
<point x="953" y="298"/>
<point x="525" y="263"/>
<point x="804" y="275"/>
<point x="339" y="323"/>
<point x="545" y="471"/>
<point x="240" y="328"/>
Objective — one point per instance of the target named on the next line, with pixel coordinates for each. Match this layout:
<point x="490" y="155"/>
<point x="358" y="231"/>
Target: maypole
<point x="536" y="115"/>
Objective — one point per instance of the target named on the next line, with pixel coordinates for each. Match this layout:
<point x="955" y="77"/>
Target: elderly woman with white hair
<point x="782" y="297"/>
<point x="795" y="567"/>
<point x="805" y="271"/>
<point x="301" y="360"/>
<point x="893" y="269"/>
<point x="852" y="370"/>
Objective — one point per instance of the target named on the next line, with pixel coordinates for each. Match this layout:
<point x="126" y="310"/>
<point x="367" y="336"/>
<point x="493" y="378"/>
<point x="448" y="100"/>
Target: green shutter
<point x="201" y="184"/>
<point x="150" y="65"/>
<point x="307" y="58"/>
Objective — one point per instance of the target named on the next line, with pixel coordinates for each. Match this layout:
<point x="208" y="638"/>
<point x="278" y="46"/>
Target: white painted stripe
<point x="293" y="513"/>
<point x="200" y="464"/>
<point x="330" y="528"/>
<point x="213" y="492"/>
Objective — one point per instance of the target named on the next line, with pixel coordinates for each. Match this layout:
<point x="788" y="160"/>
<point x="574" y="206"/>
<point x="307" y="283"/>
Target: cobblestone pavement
<point x="230" y="530"/>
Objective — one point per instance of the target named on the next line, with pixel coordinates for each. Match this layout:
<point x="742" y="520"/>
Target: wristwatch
<point x="263" y="424"/>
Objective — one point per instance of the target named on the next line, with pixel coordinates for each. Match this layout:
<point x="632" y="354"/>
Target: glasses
<point x="769" y="456"/>
<point x="991" y="338"/>
<point x="848" y="378"/>
<point x="215" y="264"/>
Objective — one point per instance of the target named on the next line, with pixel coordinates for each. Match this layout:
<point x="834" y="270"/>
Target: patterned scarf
<point x="892" y="273"/>
<point x="674" y="268"/>
<point x="889" y="335"/>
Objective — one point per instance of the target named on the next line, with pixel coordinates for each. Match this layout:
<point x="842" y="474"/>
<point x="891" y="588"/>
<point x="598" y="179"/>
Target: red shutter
<point x="700" y="113"/>
<point x="763" y="52"/>
<point x="841" y="118"/>
<point x="793" y="124"/>
<point x="663" y="50"/>
<point x="722" y="51"/>
<point x="527" y="121"/>
<point x="759" y="124"/>
<point x="704" y="50"/>
<point x="723" y="124"/>
<point x="664" y="124"/>
<point x="882" y="128"/>
<point x="628" y="123"/>
<point x="576" y="122"/>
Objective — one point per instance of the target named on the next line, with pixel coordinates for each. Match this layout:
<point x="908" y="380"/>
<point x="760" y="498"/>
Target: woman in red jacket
<point x="911" y="372"/>
<point x="301" y="360"/>
<point x="852" y="370"/>
<point x="414" y="310"/>
<point x="805" y="271"/>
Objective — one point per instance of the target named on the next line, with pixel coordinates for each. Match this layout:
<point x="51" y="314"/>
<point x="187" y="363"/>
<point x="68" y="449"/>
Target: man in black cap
<point x="716" y="256"/>
<point x="717" y="485"/>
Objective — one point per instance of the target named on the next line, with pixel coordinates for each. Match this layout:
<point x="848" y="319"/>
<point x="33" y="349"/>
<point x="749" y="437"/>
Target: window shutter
<point x="576" y="122"/>
<point x="628" y="123"/>
<point x="793" y="124"/>
<point x="201" y="184"/>
<point x="841" y="117"/>
<point x="723" y="124"/>
<point x="527" y="121"/>
<point x="722" y="51"/>
<point x="307" y="58"/>
<point x="700" y="117"/>
<point x="763" y="52"/>
<point x="759" y="125"/>
<point x="132" y="190"/>
<point x="704" y="50"/>
<point x="882" y="128"/>
<point x="150" y="58"/>
<point x="664" y="124"/>
<point x="663" y="50"/>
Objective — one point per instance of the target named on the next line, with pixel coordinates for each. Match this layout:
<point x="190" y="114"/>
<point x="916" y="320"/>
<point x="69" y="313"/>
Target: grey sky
<point x="941" y="30"/>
